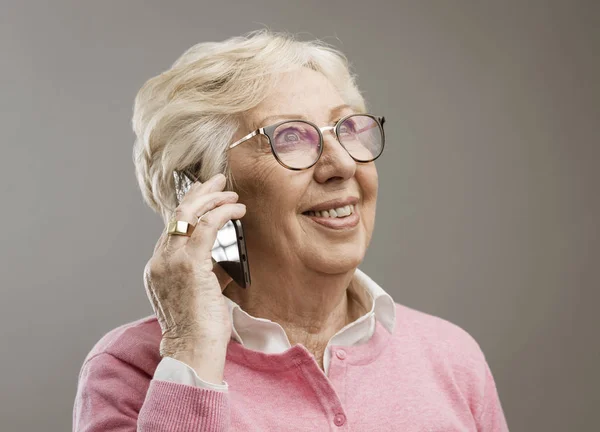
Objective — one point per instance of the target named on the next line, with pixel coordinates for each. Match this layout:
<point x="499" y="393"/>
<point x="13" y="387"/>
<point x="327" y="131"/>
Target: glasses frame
<point x="269" y="130"/>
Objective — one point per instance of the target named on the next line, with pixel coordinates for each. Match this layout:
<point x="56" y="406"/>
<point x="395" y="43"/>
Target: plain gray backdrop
<point x="489" y="185"/>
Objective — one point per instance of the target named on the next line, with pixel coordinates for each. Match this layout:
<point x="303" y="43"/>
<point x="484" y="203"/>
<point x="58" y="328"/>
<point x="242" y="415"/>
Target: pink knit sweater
<point x="429" y="375"/>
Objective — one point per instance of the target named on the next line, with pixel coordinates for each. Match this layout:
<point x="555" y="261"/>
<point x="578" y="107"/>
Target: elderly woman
<point x="313" y="344"/>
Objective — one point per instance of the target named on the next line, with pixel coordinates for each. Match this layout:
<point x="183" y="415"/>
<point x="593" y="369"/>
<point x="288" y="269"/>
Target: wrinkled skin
<point x="300" y="271"/>
<point x="184" y="289"/>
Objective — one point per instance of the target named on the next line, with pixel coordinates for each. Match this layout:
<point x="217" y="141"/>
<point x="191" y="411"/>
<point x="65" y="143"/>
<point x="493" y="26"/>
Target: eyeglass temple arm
<point x="247" y="137"/>
<point x="381" y="121"/>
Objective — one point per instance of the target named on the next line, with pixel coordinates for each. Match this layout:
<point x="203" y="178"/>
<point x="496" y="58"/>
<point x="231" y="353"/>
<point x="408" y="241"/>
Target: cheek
<point x="252" y="173"/>
<point x="368" y="182"/>
<point x="258" y="186"/>
<point x="269" y="191"/>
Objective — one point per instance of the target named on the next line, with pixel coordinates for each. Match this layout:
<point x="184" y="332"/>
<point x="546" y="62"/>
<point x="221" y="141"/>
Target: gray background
<point x="488" y="213"/>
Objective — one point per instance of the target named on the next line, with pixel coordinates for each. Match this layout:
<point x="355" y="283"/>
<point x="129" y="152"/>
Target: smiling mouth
<point x="338" y="213"/>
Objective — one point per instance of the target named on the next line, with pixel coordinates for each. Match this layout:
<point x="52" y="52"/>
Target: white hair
<point x="186" y="117"/>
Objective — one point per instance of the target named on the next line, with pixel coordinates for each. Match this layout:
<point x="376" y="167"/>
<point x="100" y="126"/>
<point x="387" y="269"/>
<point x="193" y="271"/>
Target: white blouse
<point x="264" y="335"/>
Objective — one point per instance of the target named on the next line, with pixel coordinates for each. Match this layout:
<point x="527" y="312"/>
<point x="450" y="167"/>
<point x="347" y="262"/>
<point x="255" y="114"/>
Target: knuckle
<point x="179" y="211"/>
<point x="206" y="219"/>
<point x="154" y="268"/>
<point x="152" y="272"/>
<point x="213" y="203"/>
<point x="212" y="221"/>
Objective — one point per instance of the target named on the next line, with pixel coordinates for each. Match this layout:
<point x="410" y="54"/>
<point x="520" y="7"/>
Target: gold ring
<point x="181" y="228"/>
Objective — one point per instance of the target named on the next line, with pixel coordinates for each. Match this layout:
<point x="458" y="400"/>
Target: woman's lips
<point x="337" y="222"/>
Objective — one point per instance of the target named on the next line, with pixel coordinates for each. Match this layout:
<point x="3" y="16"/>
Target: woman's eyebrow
<point x="334" y="113"/>
<point x="267" y="120"/>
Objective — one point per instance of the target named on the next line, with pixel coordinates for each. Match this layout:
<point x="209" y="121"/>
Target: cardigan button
<point x="341" y="354"/>
<point x="339" y="419"/>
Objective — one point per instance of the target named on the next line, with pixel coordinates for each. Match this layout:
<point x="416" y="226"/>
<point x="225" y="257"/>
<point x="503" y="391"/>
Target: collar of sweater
<point x="267" y="338"/>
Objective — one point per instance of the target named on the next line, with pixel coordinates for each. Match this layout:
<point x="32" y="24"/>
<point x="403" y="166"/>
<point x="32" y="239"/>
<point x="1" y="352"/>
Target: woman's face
<point x="278" y="230"/>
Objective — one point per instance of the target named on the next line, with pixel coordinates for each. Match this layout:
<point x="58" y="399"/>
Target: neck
<point x="311" y="307"/>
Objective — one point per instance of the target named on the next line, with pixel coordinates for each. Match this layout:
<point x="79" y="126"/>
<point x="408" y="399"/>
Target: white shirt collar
<point x="264" y="335"/>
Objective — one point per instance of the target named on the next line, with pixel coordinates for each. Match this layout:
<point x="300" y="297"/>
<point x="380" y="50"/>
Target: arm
<point x="116" y="396"/>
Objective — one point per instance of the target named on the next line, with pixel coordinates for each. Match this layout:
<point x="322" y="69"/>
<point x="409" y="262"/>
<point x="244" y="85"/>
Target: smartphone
<point x="229" y="249"/>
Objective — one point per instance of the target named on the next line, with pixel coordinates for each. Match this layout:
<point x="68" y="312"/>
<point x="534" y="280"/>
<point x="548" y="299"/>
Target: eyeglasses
<point x="298" y="144"/>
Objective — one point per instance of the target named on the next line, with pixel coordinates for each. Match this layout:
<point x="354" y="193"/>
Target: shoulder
<point x="444" y="346"/>
<point x="135" y="343"/>
<point x="437" y="332"/>
<point x="452" y="361"/>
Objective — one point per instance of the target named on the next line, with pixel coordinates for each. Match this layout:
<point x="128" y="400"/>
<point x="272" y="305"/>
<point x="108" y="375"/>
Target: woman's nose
<point x="335" y="160"/>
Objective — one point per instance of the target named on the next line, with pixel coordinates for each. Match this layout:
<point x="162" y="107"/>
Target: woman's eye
<point x="347" y="128"/>
<point x="289" y="135"/>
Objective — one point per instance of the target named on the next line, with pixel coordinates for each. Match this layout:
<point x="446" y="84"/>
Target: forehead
<point x="305" y="93"/>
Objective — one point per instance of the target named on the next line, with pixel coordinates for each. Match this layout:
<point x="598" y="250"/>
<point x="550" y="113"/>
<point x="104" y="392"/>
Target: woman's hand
<point x="182" y="281"/>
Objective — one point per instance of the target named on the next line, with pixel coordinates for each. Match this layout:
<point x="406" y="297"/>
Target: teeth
<point x="337" y="212"/>
<point x="345" y="211"/>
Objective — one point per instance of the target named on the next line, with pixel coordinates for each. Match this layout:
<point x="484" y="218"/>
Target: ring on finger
<point x="180" y="228"/>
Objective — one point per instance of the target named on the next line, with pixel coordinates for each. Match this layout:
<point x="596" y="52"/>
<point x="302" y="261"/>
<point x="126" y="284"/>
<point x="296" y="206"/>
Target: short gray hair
<point x="186" y="117"/>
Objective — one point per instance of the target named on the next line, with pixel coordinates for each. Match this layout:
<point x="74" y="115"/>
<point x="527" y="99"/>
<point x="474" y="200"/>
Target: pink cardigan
<point x="428" y="375"/>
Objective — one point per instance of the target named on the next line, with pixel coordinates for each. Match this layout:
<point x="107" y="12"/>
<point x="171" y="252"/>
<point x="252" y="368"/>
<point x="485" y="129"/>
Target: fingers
<point x="200" y="198"/>
<point x="203" y="238"/>
<point x="193" y="197"/>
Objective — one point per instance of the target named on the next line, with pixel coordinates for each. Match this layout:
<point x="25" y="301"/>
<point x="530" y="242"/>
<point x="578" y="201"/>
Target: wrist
<point x="192" y="347"/>
<point x="208" y="362"/>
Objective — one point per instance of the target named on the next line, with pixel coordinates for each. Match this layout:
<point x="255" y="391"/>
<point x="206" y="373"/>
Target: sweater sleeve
<point x="491" y="417"/>
<point x="173" y="370"/>
<point x="116" y="396"/>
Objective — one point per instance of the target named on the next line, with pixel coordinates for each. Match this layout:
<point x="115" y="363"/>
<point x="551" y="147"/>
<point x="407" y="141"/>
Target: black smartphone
<point x="229" y="249"/>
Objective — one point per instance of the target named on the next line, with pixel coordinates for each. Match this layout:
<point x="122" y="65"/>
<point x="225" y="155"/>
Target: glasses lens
<point x="362" y="137"/>
<point x="297" y="144"/>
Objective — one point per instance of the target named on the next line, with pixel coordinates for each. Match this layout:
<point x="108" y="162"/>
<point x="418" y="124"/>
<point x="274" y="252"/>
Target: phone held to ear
<point x="229" y="249"/>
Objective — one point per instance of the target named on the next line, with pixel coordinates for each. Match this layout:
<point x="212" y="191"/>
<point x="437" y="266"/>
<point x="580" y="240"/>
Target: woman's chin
<point x="335" y="262"/>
